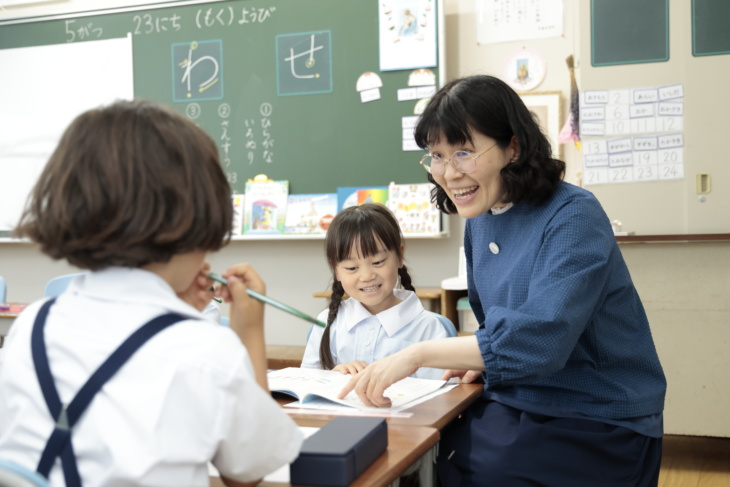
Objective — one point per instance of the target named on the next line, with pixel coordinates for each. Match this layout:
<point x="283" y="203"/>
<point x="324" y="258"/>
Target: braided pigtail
<point x="405" y="279"/>
<point x="325" y="353"/>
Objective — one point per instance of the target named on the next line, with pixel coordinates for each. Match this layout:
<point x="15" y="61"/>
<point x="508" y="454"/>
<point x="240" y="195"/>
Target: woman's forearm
<point x="461" y="353"/>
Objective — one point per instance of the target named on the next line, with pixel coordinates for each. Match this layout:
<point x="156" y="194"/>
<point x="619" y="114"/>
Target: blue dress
<point x="573" y="384"/>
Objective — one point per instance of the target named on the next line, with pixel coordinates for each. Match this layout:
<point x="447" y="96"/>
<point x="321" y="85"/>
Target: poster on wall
<point x="513" y="20"/>
<point x="407" y="31"/>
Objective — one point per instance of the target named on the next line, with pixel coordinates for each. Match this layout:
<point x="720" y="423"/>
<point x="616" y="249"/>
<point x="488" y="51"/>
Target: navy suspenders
<point x="66" y="415"/>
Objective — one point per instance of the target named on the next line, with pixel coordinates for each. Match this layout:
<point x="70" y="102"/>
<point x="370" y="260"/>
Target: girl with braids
<point x="364" y="249"/>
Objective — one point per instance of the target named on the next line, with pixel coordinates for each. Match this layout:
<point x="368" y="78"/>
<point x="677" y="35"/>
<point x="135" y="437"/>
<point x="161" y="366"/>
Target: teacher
<point x="573" y="387"/>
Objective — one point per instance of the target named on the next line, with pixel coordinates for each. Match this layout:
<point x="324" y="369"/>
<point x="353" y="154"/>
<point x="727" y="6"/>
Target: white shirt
<point x="212" y="312"/>
<point x="359" y="335"/>
<point x="188" y="396"/>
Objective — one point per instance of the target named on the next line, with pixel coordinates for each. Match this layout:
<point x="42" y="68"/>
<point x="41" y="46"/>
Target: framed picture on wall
<point x="547" y="106"/>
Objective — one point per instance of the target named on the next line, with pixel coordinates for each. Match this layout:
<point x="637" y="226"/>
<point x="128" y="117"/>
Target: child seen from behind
<point x="135" y="194"/>
<point x="365" y="252"/>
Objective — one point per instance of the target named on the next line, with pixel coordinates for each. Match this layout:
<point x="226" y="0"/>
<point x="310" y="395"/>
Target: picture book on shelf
<point x="316" y="388"/>
<point x="373" y="195"/>
<point x="356" y="195"/>
<point x="310" y="213"/>
<point x="265" y="206"/>
<point x="411" y="204"/>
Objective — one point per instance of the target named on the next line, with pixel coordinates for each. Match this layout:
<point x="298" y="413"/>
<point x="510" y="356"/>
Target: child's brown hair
<point x="129" y="184"/>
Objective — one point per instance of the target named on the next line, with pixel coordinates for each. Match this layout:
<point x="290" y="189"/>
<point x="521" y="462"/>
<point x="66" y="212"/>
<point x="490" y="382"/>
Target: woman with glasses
<point x="573" y="387"/>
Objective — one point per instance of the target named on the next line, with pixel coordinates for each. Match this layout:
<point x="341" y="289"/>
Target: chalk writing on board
<point x="268" y="142"/>
<point x="198" y="70"/>
<point x="304" y="63"/>
<point x="149" y="24"/>
<point x="225" y="16"/>
<point x="192" y="110"/>
<point x="252" y="143"/>
<point x="82" y="32"/>
<point x="224" y="111"/>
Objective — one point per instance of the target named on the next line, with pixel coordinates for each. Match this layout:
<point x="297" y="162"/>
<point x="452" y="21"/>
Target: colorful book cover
<point x="265" y="207"/>
<point x="349" y="196"/>
<point x="372" y="196"/>
<point x="310" y="213"/>
<point x="237" y="201"/>
<point x="411" y="204"/>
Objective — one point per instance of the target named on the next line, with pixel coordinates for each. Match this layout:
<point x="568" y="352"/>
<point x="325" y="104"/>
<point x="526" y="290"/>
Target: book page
<point x="309" y="384"/>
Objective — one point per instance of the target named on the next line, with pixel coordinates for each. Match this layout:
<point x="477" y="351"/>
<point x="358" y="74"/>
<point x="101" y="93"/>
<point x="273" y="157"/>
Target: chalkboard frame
<point x="604" y="33"/>
<point x="705" y="32"/>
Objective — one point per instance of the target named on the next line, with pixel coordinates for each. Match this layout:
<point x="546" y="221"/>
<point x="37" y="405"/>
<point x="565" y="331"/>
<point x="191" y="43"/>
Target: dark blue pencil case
<point x="340" y="451"/>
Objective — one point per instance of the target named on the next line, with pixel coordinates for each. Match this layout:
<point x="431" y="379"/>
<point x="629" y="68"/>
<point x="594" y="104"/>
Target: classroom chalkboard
<point x="710" y="33"/>
<point x="274" y="83"/>
<point x="629" y="31"/>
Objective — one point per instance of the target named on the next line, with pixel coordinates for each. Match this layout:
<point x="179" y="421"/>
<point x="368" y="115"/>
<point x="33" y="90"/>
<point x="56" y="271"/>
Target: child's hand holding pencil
<point x="262" y="297"/>
<point x="236" y="284"/>
<point x="246" y="313"/>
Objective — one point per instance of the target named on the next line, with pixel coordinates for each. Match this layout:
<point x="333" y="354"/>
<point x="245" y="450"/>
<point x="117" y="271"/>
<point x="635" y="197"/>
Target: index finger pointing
<point x="348" y="387"/>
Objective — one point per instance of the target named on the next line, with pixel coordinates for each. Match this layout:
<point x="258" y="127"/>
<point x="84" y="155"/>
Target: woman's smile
<point x="461" y="195"/>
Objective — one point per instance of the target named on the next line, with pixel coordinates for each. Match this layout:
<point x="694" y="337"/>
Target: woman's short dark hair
<point x="129" y="184"/>
<point x="487" y="105"/>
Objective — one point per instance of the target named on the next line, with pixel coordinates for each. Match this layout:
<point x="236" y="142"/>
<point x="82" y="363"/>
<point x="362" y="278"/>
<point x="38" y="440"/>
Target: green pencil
<point x="272" y="302"/>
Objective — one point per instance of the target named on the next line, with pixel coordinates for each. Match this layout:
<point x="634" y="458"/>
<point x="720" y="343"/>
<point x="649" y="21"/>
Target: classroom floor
<point x="695" y="461"/>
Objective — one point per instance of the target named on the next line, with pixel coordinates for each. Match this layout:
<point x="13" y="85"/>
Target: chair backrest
<point x="448" y="325"/>
<point x="14" y="475"/>
<point x="3" y="290"/>
<point x="57" y="285"/>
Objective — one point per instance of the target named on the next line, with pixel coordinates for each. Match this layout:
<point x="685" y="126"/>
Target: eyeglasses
<point x="464" y="161"/>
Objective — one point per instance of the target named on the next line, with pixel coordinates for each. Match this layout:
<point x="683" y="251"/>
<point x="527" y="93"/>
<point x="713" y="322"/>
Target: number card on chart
<point x="632" y="135"/>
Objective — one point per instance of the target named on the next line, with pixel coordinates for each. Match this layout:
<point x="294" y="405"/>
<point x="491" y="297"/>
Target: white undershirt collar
<point x="498" y="211"/>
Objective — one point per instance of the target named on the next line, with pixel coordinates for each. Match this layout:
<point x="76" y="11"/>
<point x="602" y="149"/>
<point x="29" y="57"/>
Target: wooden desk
<point x="437" y="412"/>
<point x="430" y="294"/>
<point x="406" y="445"/>
<point x="283" y="356"/>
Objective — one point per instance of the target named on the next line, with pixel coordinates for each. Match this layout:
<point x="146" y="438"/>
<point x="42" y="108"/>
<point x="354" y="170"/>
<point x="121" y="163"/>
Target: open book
<point x="313" y="386"/>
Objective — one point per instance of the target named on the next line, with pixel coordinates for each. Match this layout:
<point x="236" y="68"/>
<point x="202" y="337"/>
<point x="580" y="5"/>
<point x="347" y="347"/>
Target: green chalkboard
<point x="629" y="31"/>
<point x="710" y="32"/>
<point x="274" y="83"/>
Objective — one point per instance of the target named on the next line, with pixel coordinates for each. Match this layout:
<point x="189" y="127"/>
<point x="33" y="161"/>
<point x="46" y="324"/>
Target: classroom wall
<point x="685" y="286"/>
